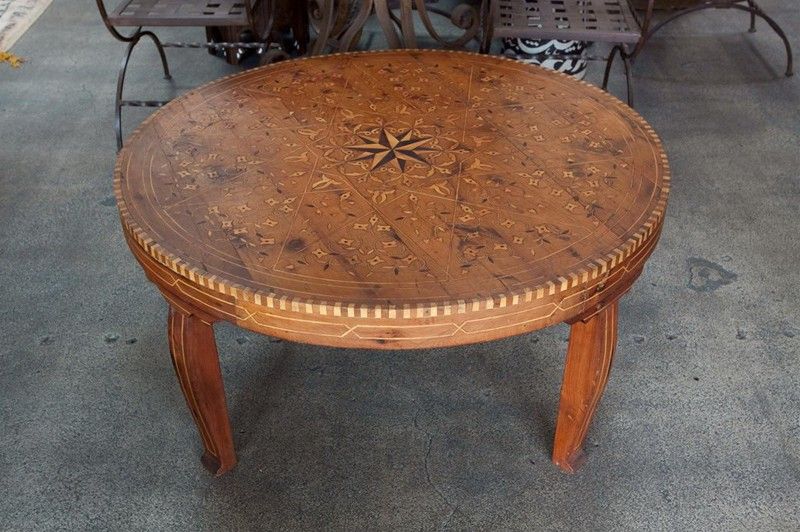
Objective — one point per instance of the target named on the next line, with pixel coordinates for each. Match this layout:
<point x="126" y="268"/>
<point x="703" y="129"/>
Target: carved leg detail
<point x="589" y="356"/>
<point x="194" y="356"/>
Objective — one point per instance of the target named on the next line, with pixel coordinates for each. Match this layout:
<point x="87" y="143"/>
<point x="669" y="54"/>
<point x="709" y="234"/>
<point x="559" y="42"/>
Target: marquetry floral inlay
<point x="484" y="177"/>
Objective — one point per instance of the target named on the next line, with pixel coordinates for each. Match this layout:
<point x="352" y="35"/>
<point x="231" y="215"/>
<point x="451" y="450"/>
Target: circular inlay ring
<point x="393" y="186"/>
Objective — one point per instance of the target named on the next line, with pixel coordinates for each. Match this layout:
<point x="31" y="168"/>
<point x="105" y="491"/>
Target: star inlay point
<point x="387" y="148"/>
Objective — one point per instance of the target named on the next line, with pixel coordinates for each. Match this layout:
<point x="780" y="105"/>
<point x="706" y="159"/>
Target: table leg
<point x="196" y="363"/>
<point x="589" y="355"/>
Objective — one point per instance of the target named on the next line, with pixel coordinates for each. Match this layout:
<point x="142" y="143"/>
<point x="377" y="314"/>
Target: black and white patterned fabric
<point x="536" y="52"/>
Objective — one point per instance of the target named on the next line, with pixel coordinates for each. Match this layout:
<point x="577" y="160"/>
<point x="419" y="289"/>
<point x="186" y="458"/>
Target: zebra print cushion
<point x="535" y="52"/>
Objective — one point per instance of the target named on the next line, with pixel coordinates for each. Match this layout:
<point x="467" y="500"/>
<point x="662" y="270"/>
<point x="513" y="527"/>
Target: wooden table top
<point x="399" y="184"/>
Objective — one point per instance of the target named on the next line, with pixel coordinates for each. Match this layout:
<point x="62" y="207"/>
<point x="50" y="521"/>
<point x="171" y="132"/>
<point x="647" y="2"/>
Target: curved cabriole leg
<point x="589" y="356"/>
<point x="194" y="356"/>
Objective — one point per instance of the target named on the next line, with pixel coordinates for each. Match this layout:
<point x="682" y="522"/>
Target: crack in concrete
<point x="426" y="462"/>
<point x="439" y="492"/>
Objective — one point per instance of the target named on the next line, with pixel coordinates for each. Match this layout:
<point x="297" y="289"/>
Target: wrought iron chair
<point x="183" y="13"/>
<point x="611" y="21"/>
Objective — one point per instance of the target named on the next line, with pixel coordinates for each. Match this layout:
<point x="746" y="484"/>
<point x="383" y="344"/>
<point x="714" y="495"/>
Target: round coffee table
<point x="393" y="200"/>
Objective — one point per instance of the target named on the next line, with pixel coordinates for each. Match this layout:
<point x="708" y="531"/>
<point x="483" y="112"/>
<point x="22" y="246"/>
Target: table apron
<point x="350" y="329"/>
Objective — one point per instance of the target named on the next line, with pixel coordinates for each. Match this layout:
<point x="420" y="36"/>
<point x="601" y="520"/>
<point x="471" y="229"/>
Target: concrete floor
<point x="699" y="428"/>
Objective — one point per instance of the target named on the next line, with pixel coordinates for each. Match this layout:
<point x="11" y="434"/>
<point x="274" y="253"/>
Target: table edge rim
<point x="285" y="300"/>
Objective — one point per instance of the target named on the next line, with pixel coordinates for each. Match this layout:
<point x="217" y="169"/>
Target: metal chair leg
<point x="324" y="31"/>
<point x="678" y="14"/>
<point x="488" y="12"/>
<point x="382" y="13"/>
<point x="751" y="8"/>
<point x="609" y="62"/>
<point x="160" y="48"/>
<point x="752" y="5"/>
<point x="626" y="60"/>
<point x="348" y="39"/>
<point x="120" y="84"/>
<point x="626" y="56"/>
<point x="756" y="11"/>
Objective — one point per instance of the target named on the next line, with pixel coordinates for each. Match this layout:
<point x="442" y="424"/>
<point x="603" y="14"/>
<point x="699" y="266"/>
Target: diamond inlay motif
<point x="396" y="177"/>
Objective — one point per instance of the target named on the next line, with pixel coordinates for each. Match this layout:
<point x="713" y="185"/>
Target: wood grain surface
<point x="589" y="357"/>
<point x="393" y="199"/>
<point x="196" y="363"/>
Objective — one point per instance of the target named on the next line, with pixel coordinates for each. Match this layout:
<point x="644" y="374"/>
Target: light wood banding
<point x="393" y="200"/>
<point x="518" y="189"/>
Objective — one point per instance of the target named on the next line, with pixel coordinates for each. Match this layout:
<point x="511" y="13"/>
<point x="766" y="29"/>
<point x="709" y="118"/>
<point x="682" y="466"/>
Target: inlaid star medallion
<point x="388" y="148"/>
